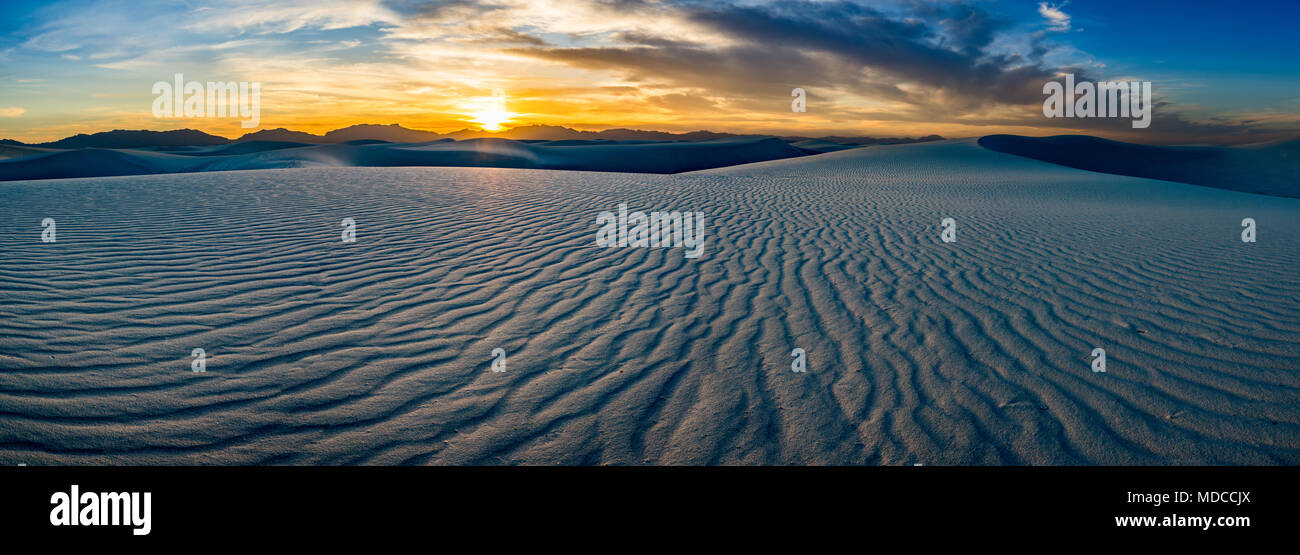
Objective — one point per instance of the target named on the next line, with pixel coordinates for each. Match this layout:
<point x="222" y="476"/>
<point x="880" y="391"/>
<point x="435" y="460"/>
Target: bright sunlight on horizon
<point x="884" y="68"/>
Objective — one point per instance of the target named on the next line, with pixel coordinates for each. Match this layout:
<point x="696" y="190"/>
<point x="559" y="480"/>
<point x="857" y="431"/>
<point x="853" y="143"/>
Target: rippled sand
<point x="379" y="351"/>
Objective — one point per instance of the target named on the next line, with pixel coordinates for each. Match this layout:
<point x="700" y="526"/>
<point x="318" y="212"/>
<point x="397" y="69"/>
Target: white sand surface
<point x="379" y="352"/>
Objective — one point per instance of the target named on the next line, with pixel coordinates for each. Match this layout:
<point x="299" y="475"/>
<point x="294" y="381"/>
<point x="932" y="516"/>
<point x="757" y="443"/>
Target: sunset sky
<point x="1222" y="72"/>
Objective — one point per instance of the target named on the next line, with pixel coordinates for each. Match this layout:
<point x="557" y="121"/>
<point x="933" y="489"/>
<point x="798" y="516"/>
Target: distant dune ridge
<point x="379" y="351"/>
<point x="395" y="133"/>
<point x="1270" y="169"/>
<point x="618" y="150"/>
<point x="610" y="156"/>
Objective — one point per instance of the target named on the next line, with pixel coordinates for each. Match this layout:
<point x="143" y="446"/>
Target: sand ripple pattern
<point x="379" y="352"/>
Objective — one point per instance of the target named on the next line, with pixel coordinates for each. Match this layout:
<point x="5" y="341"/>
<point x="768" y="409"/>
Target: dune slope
<point x="918" y="351"/>
<point x="1269" y="169"/>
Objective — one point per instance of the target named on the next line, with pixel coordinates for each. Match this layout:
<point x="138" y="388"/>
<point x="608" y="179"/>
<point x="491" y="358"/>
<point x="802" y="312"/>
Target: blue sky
<point x="1222" y="72"/>
<point x="1228" y="54"/>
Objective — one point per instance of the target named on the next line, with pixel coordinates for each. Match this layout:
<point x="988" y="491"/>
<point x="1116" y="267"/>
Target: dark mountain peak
<point x="281" y="134"/>
<point x="123" y="138"/>
<point x="393" y="133"/>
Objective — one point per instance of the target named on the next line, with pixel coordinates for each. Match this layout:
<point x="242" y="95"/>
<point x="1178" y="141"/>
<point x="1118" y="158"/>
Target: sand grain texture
<point x="379" y="352"/>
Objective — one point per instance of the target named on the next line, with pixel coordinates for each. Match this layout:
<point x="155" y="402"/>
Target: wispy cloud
<point x="286" y="16"/>
<point x="12" y="112"/>
<point x="898" y="67"/>
<point x="1057" y="19"/>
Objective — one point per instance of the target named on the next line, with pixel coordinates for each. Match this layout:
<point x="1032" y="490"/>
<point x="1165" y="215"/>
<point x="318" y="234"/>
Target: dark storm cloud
<point x="832" y="44"/>
<point x="905" y="49"/>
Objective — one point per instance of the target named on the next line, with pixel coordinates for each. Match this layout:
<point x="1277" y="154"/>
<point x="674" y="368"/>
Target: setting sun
<point x="494" y="114"/>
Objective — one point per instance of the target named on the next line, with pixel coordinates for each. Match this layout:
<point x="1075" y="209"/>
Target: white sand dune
<point x="21" y="151"/>
<point x="1269" y="168"/>
<point x="379" y="352"/>
<point x="25" y="163"/>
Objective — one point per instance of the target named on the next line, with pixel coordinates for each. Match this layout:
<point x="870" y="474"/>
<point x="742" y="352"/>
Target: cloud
<point x="955" y="67"/>
<point x="1057" y="20"/>
<point x="12" y="112"/>
<point x="922" y="60"/>
<point x="682" y="102"/>
<point x="941" y="65"/>
<point x="285" y="16"/>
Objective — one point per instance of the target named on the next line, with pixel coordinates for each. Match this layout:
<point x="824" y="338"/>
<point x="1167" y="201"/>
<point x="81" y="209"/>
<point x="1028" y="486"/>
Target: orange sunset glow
<point x="891" y="70"/>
